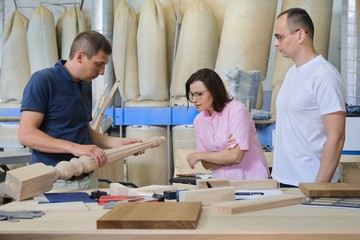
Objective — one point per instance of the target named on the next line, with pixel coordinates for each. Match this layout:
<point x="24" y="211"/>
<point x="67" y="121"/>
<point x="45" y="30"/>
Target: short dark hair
<point x="91" y="42"/>
<point x="214" y="85"/>
<point x="298" y="18"/>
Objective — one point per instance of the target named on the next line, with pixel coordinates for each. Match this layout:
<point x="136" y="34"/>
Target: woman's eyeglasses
<point x="196" y="95"/>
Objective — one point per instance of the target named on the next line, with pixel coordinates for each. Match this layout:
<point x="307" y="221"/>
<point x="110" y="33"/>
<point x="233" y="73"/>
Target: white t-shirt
<point x="307" y="93"/>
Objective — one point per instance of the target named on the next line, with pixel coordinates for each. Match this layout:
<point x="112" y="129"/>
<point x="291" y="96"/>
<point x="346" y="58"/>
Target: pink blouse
<point x="212" y="133"/>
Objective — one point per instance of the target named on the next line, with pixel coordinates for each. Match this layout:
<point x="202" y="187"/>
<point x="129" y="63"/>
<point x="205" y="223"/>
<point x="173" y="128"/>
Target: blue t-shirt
<point x="66" y="106"/>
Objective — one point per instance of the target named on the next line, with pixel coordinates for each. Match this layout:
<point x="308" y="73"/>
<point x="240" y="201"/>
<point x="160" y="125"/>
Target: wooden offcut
<point x="241" y="206"/>
<point x="207" y="196"/>
<point x="29" y="181"/>
<point x="330" y="189"/>
<point x="152" y="215"/>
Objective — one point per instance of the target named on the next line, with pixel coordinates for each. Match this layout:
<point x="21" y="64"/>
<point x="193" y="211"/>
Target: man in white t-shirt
<point x="310" y="107"/>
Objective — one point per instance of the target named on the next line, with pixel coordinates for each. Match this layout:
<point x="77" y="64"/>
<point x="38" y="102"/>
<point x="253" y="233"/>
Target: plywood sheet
<point x="330" y="189"/>
<point x="152" y="215"/>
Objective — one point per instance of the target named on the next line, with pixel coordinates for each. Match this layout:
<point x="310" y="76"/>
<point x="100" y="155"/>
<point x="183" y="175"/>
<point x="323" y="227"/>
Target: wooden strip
<point x="106" y="102"/>
<point x="256" y="204"/>
<point x="330" y="189"/>
<point x="96" y="108"/>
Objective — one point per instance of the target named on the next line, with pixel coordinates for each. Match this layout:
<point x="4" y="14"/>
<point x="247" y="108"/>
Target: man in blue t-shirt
<point x="56" y="108"/>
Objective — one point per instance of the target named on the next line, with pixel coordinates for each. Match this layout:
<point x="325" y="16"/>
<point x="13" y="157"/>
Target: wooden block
<point x="256" y="204"/>
<point x="182" y="166"/>
<point x="350" y="172"/>
<point x="26" y="182"/>
<point x="152" y="215"/>
<point x="209" y="195"/>
<point x="330" y="189"/>
<point x="254" y="184"/>
<point x="214" y="182"/>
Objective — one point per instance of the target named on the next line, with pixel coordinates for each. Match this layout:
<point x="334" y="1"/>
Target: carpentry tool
<point x="29" y="181"/>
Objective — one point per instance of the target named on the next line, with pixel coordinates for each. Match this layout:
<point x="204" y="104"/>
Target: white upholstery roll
<point x="124" y="39"/>
<point x="15" y="69"/>
<point x="41" y="39"/>
<point x="198" y="44"/>
<point x="72" y="23"/>
<point x="58" y="30"/>
<point x="150" y="168"/>
<point x="170" y="23"/>
<point x="321" y="14"/>
<point x="151" y="46"/>
<point x="246" y="36"/>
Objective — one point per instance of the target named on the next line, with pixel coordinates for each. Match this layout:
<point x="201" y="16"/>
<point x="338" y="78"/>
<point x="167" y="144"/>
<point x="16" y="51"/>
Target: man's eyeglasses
<point x="281" y="37"/>
<point x="196" y="95"/>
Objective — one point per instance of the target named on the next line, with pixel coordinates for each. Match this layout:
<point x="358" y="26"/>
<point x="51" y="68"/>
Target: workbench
<point x="14" y="157"/>
<point x="290" y="222"/>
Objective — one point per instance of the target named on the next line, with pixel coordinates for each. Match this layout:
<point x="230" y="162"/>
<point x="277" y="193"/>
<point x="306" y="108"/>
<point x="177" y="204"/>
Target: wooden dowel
<point x="67" y="169"/>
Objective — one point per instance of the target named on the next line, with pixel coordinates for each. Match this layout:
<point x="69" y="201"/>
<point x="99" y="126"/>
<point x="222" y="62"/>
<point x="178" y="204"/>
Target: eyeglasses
<point x="281" y="38"/>
<point x="196" y="95"/>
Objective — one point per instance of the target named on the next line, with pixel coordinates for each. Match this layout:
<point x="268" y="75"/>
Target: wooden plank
<point x="209" y="195"/>
<point x="152" y="215"/>
<point x="330" y="189"/>
<point x="256" y="204"/>
<point x="254" y="184"/>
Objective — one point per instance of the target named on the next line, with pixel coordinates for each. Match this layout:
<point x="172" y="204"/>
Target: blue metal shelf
<point x="183" y="115"/>
<point x="10" y="112"/>
<point x="147" y="116"/>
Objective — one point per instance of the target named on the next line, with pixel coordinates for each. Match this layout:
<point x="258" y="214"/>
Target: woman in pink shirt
<point x="226" y="138"/>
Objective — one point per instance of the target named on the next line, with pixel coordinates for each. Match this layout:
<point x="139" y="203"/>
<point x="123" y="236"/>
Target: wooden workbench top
<point x="290" y="222"/>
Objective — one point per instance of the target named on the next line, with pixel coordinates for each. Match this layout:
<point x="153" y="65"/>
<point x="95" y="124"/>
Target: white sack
<point x="15" y="69"/>
<point x="124" y="39"/>
<point x="41" y="39"/>
<point x="170" y="21"/>
<point x="246" y="36"/>
<point x="198" y="44"/>
<point x="70" y="25"/>
<point x="151" y="44"/>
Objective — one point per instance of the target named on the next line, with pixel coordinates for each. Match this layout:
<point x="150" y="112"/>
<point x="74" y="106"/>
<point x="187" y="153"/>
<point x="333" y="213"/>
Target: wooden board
<point x="254" y="184"/>
<point x="208" y="195"/>
<point x="256" y="204"/>
<point x="330" y="189"/>
<point x="152" y="215"/>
